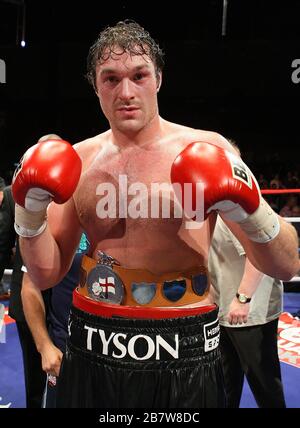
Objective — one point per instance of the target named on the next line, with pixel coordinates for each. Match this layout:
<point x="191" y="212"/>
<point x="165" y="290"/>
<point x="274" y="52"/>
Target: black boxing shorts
<point x="115" y="362"/>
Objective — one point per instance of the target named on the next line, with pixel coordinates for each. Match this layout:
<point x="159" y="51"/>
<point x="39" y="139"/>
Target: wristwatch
<point x="243" y="298"/>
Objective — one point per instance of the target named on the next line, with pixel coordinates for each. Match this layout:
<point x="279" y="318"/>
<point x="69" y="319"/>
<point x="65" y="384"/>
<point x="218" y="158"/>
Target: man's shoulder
<point x="91" y="146"/>
<point x="212" y="137"/>
<point x="189" y="135"/>
<point x="90" y="143"/>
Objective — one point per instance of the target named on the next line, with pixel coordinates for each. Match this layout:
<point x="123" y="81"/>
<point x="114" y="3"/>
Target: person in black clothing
<point x="7" y="232"/>
<point x="3" y="257"/>
<point x="50" y="334"/>
<point x="2" y="184"/>
<point x="35" y="378"/>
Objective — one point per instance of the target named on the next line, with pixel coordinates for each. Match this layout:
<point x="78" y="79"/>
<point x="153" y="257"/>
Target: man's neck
<point x="142" y="138"/>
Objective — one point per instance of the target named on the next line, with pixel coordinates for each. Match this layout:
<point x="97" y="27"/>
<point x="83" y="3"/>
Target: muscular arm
<point x="49" y="255"/>
<point x="34" y="311"/>
<point x="49" y="232"/>
<point x="277" y="258"/>
<point x="231" y="190"/>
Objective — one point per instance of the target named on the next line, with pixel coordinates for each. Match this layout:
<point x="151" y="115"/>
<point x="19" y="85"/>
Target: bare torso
<point x="160" y="244"/>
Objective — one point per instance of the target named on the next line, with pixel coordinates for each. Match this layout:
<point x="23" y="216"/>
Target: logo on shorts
<point x="139" y="347"/>
<point x="211" y="335"/>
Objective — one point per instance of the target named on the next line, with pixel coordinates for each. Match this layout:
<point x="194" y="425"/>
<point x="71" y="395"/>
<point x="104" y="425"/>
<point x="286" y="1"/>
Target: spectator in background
<point x="50" y="335"/>
<point x="287" y="209"/>
<point x="263" y="183"/>
<point x="295" y="211"/>
<point x="7" y="235"/>
<point x="35" y="378"/>
<point x="2" y="183"/>
<point x="250" y="304"/>
<point x="292" y="180"/>
<point x="296" y="177"/>
<point x="276" y="182"/>
<point x="3" y="293"/>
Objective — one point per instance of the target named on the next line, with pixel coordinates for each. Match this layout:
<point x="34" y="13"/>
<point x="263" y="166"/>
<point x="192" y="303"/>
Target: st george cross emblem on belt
<point x="103" y="284"/>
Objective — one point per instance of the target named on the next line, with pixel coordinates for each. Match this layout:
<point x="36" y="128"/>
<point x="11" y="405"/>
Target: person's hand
<point x="1" y="197"/>
<point x="50" y="170"/>
<point x="238" y="312"/>
<point x="51" y="359"/>
<point x="228" y="186"/>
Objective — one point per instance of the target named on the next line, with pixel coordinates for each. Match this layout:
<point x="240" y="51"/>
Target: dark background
<point x="238" y="84"/>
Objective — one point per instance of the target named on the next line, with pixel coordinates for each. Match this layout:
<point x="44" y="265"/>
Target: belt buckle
<point x="103" y="284"/>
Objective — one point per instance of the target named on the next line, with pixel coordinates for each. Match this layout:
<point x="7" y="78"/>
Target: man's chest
<point x="134" y="185"/>
<point x="142" y="167"/>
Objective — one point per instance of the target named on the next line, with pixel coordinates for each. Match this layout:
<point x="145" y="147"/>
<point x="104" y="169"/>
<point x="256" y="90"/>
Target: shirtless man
<point x="143" y="330"/>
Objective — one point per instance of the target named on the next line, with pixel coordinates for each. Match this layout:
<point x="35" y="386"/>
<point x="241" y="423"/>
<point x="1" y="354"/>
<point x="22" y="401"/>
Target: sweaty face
<point x="127" y="91"/>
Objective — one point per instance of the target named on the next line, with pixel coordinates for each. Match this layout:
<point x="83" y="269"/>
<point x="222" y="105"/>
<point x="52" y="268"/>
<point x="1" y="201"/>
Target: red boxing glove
<point x="228" y="186"/>
<point x="50" y="170"/>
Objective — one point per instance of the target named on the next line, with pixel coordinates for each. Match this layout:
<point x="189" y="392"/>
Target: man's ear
<point x="159" y="79"/>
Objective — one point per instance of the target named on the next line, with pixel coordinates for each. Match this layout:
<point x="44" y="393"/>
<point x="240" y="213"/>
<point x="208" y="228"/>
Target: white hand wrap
<point x="29" y="223"/>
<point x="263" y="225"/>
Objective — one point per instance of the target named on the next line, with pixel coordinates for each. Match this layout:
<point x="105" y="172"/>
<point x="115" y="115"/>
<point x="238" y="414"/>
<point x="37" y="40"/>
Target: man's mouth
<point x="127" y="108"/>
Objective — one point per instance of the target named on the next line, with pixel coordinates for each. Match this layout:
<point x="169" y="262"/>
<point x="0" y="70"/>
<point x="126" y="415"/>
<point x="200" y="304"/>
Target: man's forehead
<point x="117" y="57"/>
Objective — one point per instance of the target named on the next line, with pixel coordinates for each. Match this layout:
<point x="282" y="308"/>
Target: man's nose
<point x="126" y="90"/>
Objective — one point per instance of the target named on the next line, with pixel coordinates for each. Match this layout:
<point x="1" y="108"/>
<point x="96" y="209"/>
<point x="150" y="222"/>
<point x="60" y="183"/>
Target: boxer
<point x="143" y="330"/>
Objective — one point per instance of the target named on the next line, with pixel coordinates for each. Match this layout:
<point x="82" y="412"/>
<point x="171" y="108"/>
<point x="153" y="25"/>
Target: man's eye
<point x="111" y="79"/>
<point x="138" y="76"/>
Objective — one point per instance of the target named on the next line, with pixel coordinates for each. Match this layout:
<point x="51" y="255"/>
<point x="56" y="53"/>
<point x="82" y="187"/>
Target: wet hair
<point x="130" y="37"/>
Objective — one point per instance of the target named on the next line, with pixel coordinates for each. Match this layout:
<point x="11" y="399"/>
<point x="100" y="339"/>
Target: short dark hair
<point x="130" y="37"/>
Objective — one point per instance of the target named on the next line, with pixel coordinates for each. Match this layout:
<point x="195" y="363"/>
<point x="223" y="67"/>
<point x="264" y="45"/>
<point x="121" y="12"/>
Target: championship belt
<point x="105" y="280"/>
<point x="103" y="284"/>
